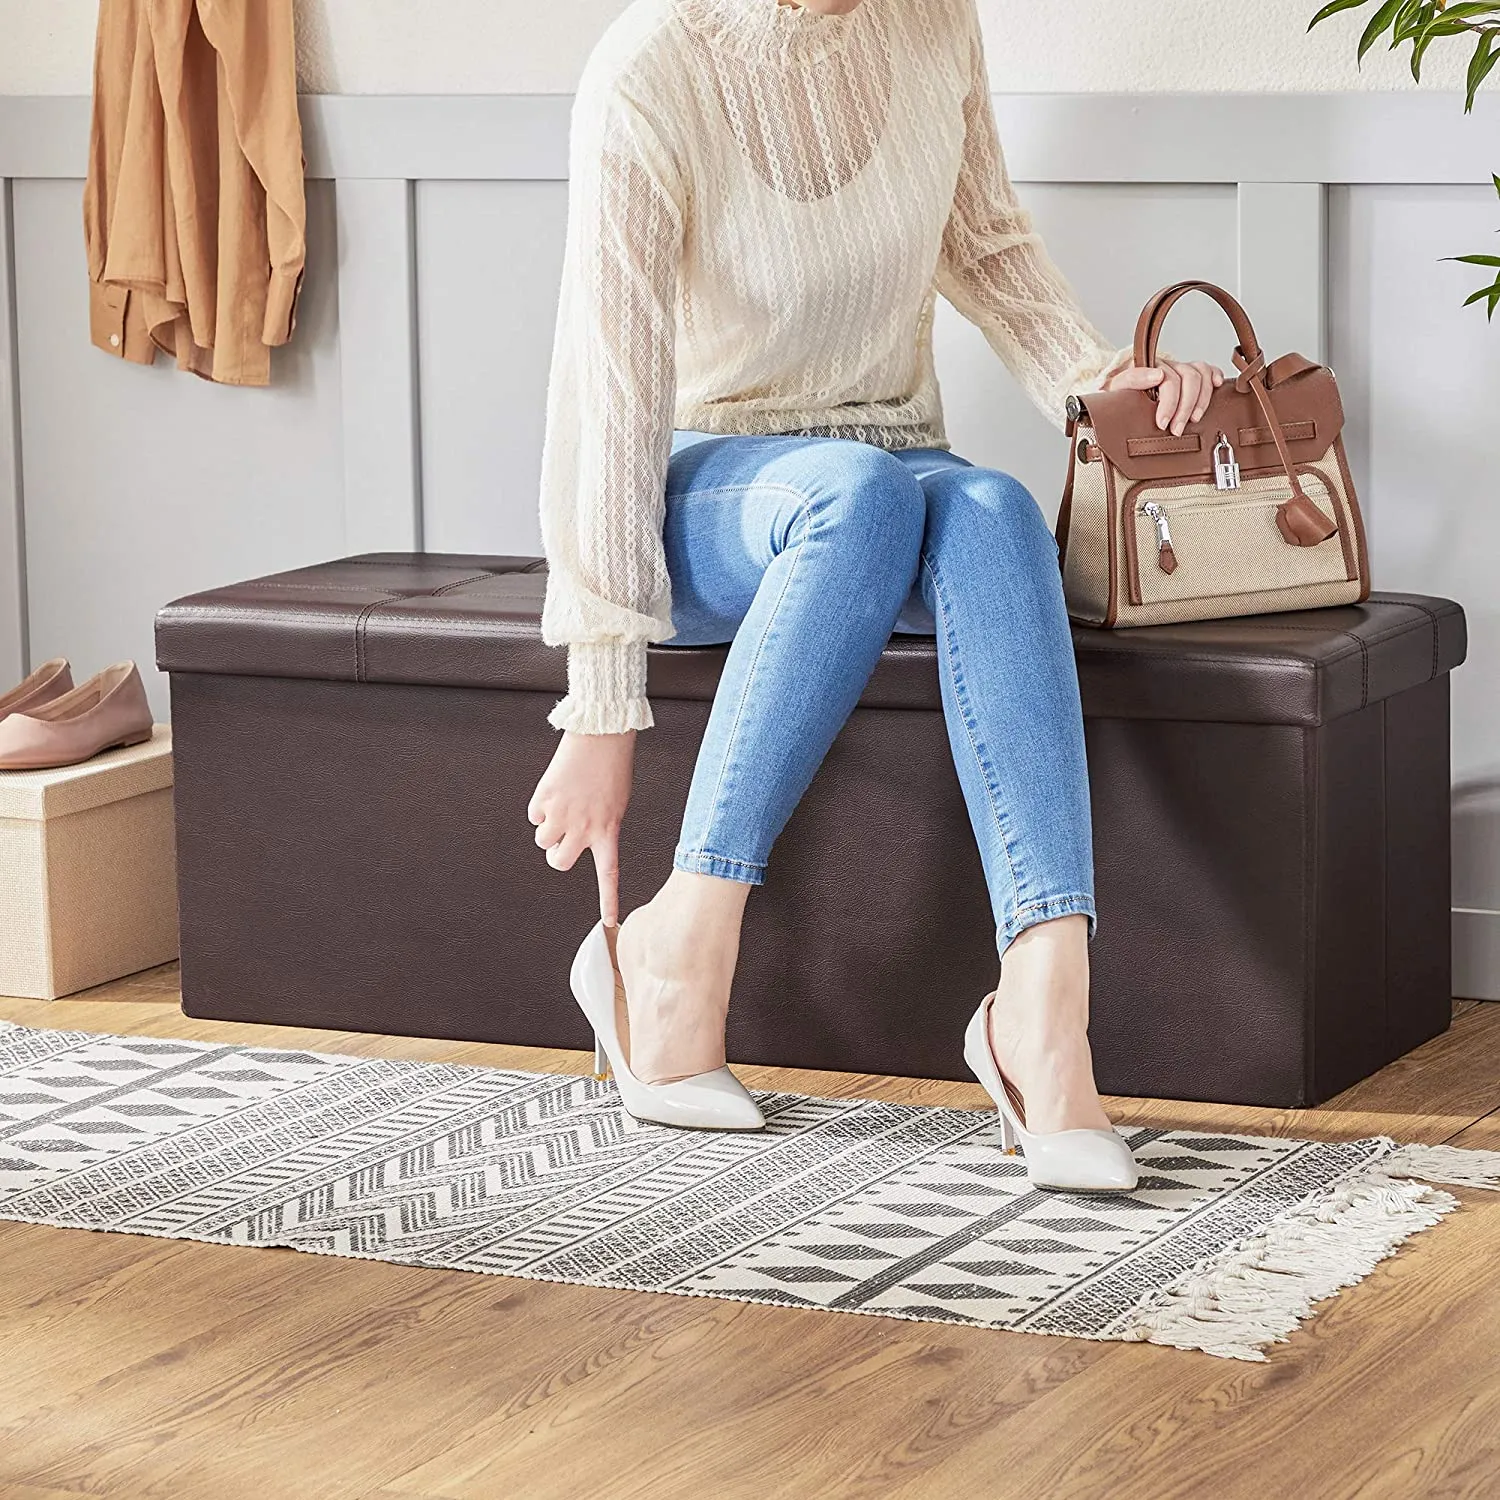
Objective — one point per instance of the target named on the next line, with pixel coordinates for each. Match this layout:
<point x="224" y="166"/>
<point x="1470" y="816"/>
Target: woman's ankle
<point x="677" y="954"/>
<point x="692" y="923"/>
<point x="1039" y="1024"/>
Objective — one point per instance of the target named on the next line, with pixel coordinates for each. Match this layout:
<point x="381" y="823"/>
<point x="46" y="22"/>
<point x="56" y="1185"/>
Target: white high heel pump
<point x="706" y="1101"/>
<point x="1062" y="1161"/>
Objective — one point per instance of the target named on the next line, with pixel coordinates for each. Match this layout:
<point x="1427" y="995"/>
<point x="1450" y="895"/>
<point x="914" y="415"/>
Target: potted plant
<point x="1420" y="23"/>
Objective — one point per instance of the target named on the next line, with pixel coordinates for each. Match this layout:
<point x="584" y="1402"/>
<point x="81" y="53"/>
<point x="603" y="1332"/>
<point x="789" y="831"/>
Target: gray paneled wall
<point x="408" y="412"/>
<point x="490" y="257"/>
<point x="1421" y="378"/>
<point x="142" y="484"/>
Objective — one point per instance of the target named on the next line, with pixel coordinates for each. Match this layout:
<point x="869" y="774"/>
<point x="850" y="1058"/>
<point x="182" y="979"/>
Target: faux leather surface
<point x="1306" y="397"/>
<point x="354" y="852"/>
<point x="442" y="620"/>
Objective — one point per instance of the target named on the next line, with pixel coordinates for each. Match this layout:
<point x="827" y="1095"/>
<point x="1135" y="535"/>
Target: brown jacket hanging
<point x="194" y="214"/>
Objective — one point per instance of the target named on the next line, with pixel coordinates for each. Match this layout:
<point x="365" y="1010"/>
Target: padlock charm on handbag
<point x="1226" y="466"/>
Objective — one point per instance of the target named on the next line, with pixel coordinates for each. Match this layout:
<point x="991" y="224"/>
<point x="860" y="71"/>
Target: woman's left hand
<point x="1183" y="390"/>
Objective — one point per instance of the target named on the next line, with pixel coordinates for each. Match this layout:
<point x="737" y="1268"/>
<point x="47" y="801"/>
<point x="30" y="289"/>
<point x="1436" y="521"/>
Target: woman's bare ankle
<point x="677" y="956"/>
<point x="691" y="925"/>
<point x="1039" y="1026"/>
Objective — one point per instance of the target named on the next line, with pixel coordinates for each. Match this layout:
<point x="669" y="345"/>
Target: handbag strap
<point x="1154" y="314"/>
<point x="1301" y="523"/>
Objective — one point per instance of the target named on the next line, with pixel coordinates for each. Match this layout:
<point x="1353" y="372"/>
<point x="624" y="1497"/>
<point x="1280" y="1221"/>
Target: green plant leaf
<point x="1485" y="57"/>
<point x="1443" y="24"/>
<point x="1332" y="9"/>
<point x="1427" y="34"/>
<point x="1469" y="10"/>
<point x="1422" y="22"/>
<point x="1424" y="39"/>
<point x="1410" y="19"/>
<point x="1378" y="24"/>
<point x="1489" y="294"/>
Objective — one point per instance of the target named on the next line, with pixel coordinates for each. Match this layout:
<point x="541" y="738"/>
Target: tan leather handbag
<point x="1252" y="510"/>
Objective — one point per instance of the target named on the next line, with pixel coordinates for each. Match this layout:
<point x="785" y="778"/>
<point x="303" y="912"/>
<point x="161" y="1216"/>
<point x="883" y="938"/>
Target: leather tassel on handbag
<point x="1251" y="510"/>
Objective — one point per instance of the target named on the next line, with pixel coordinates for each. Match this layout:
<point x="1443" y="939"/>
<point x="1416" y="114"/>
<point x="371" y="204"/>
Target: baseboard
<point x="1476" y="954"/>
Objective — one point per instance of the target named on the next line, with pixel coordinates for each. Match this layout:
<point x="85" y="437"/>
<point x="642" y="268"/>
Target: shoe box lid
<point x="113" y="776"/>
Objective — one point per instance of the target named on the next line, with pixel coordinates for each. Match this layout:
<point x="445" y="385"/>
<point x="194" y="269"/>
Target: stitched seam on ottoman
<point x="361" y="624"/>
<point x="460" y="583"/>
<point x="359" y="634"/>
<point x="1364" y="667"/>
<point x="385" y="562"/>
<point x="1433" y="621"/>
<point x="312" y="588"/>
<point x="459" y="625"/>
<point x="251" y="612"/>
<point x="1302" y="662"/>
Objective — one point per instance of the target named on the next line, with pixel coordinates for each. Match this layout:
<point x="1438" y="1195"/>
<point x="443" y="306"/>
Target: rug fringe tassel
<point x="1451" y="1164"/>
<point x="1258" y="1292"/>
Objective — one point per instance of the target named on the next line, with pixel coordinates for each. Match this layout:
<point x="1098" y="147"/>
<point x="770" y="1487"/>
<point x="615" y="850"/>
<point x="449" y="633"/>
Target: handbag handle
<point x="1154" y="314"/>
<point x="1301" y="523"/>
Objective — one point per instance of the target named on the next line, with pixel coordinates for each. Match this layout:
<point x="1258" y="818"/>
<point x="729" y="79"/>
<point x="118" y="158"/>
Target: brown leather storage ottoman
<point x="356" y="744"/>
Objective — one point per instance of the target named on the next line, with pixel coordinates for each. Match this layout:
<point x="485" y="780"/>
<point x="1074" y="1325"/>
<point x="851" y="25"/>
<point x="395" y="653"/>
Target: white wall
<point x="1421" y="378"/>
<point x="521" y="46"/>
<point x="141" y="485"/>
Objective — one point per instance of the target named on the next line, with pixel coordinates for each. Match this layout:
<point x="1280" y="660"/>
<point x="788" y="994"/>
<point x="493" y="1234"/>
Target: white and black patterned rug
<point x="850" y="1205"/>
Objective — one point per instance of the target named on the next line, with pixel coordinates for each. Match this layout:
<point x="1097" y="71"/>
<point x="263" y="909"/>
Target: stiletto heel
<point x="706" y="1101"/>
<point x="1061" y="1161"/>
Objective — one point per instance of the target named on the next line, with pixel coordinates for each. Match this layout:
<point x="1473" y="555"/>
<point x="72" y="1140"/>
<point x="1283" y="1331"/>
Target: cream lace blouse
<point x="763" y="203"/>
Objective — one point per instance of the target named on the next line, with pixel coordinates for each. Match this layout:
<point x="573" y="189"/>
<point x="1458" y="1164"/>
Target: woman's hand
<point x="1183" y="391"/>
<point x="580" y="803"/>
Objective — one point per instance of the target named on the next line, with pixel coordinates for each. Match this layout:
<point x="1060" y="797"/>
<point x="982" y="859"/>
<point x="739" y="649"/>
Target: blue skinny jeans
<point x="807" y="554"/>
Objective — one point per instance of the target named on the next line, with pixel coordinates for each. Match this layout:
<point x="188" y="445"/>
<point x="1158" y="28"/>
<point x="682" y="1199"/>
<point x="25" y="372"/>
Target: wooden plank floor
<point x="134" y="1367"/>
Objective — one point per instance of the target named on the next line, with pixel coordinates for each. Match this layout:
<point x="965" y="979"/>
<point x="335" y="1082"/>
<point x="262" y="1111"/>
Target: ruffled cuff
<point x="1087" y="375"/>
<point x="1092" y="374"/>
<point x="606" y="689"/>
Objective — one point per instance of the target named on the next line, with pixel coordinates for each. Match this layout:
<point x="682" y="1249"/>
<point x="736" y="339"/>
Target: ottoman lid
<point x="453" y="620"/>
<point x="134" y="770"/>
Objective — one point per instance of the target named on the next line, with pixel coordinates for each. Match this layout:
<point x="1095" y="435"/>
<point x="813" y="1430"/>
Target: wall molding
<point x="14" y="652"/>
<point x="1476" y="954"/>
<point x="1283" y="263"/>
<point x="1263" y="138"/>
<point x="378" y="365"/>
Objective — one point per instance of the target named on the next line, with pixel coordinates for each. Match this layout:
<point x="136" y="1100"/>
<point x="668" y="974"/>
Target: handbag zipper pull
<point x="1165" y="556"/>
<point x="1226" y="468"/>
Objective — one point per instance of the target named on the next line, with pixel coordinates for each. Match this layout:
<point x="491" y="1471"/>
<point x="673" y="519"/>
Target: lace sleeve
<point x="995" y="270"/>
<point x="609" y="416"/>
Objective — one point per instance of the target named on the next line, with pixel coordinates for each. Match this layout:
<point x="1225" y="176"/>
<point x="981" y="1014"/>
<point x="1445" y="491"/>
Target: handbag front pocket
<point x="1188" y="539"/>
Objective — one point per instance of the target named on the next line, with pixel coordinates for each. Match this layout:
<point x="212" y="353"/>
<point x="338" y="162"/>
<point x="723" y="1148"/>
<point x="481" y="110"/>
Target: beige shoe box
<point x="88" y="871"/>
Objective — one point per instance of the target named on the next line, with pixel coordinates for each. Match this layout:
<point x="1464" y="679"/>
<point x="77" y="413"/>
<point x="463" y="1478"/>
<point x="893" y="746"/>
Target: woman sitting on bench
<point x="745" y="443"/>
